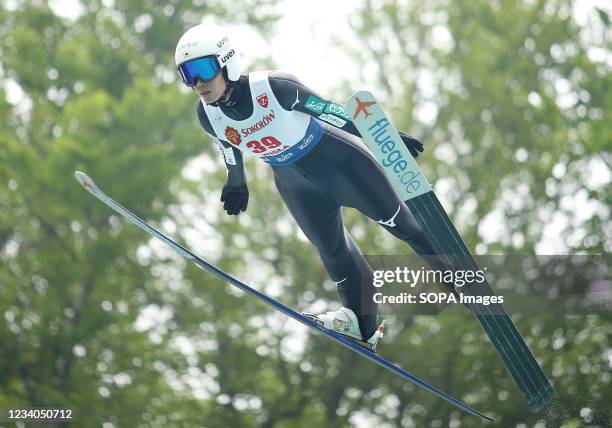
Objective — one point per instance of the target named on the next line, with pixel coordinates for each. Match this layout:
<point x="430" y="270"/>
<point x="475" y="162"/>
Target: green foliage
<point x="74" y="284"/>
<point x="514" y="89"/>
<point x="520" y="132"/>
<point x="102" y="320"/>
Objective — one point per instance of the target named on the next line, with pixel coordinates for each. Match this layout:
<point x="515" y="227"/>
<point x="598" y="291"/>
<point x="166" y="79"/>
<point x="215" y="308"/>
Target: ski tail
<point x="510" y="345"/>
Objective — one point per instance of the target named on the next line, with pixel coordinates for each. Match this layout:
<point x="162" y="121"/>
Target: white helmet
<point x="206" y="40"/>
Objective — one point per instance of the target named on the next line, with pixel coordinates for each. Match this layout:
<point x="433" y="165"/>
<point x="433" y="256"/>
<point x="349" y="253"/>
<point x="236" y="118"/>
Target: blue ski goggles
<point x="205" y="68"/>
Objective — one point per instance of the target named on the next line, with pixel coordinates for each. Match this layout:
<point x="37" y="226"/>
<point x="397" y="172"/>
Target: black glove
<point x="414" y="146"/>
<point x="235" y="199"/>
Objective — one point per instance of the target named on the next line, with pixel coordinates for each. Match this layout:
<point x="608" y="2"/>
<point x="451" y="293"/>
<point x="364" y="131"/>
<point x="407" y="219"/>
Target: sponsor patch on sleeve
<point x="334" y="120"/>
<point x="337" y="110"/>
<point x="228" y="154"/>
<point x="315" y="104"/>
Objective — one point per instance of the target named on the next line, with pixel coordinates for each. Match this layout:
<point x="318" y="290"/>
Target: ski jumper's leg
<point x="353" y="178"/>
<point x="320" y="218"/>
<point x="351" y="175"/>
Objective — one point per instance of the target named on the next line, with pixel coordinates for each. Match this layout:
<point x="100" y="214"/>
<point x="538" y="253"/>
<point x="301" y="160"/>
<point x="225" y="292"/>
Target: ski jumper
<point x="319" y="166"/>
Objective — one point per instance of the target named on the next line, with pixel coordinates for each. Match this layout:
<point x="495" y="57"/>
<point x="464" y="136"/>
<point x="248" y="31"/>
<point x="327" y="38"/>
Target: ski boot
<point x="344" y="322"/>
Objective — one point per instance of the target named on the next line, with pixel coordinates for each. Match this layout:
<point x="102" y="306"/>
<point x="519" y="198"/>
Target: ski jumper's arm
<point x="235" y="193"/>
<point x="232" y="157"/>
<point x="293" y="95"/>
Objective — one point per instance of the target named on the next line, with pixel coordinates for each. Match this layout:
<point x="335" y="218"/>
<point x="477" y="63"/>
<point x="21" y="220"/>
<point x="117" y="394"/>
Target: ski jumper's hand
<point x="412" y="144"/>
<point x="235" y="199"/>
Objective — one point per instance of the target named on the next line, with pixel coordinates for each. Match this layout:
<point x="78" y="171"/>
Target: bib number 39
<point x="263" y="145"/>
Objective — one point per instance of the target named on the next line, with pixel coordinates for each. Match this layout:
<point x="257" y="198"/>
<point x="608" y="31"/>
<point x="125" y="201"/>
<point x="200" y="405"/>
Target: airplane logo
<point x="362" y="107"/>
<point x="86" y="184"/>
<point x="83" y="179"/>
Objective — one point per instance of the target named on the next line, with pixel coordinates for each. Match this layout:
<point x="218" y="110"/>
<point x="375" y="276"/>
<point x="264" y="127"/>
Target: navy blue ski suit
<point x="337" y="172"/>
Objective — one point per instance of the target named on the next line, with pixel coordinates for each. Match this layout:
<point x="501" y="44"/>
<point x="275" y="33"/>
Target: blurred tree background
<point x="512" y="99"/>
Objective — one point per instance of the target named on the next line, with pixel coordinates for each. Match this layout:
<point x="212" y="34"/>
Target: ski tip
<point x="84" y="180"/>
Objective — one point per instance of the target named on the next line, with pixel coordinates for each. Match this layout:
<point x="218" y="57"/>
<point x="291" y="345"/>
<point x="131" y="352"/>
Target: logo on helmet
<point x="227" y="56"/>
<point x="263" y="100"/>
<point x="221" y="42"/>
<point x="233" y="136"/>
<point x="188" y="45"/>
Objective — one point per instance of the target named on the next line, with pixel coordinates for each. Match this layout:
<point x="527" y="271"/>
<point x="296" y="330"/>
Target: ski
<point x="383" y="140"/>
<point x="89" y="185"/>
